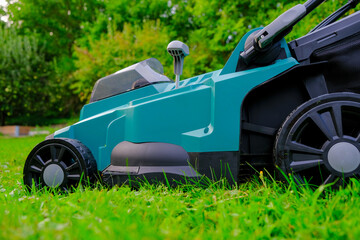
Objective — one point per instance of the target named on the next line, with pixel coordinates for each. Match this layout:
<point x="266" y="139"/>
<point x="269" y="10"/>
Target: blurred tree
<point x="116" y="14"/>
<point x="58" y="22"/>
<point x="2" y="13"/>
<point x="24" y="75"/>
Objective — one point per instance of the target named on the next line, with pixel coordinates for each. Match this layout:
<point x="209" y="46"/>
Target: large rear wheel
<point x="59" y="163"/>
<point x="319" y="141"/>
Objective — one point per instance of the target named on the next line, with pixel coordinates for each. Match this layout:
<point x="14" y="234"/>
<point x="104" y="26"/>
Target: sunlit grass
<point x="260" y="209"/>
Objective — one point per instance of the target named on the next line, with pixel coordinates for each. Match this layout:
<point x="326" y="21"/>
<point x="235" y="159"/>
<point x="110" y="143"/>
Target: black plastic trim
<point x="303" y="47"/>
<point x="148" y="154"/>
<point x="164" y="162"/>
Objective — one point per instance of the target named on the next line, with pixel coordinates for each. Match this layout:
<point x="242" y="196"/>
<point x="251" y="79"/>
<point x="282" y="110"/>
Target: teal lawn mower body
<point x="225" y="123"/>
<point x="202" y="115"/>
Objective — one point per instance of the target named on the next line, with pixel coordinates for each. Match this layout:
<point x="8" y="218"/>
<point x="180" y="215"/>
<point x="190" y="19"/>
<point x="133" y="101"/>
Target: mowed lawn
<point x="260" y="209"/>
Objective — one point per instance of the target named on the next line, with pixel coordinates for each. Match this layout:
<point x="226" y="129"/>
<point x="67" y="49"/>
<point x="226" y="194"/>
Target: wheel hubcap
<point x="344" y="157"/>
<point x="53" y="175"/>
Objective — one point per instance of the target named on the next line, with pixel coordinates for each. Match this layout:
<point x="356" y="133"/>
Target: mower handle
<point x="278" y="29"/>
<point x="312" y="4"/>
<point x="336" y="15"/>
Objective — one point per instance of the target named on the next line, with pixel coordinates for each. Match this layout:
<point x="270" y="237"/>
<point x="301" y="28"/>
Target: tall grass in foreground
<point x="260" y="209"/>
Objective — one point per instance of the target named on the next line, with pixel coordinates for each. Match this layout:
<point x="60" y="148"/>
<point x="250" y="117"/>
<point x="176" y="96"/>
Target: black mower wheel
<point x="59" y="163"/>
<point x="319" y="141"/>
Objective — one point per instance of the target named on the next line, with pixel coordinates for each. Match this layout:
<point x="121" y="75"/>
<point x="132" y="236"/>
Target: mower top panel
<point x="135" y="76"/>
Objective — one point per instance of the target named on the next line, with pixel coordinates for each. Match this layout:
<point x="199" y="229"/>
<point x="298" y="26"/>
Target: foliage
<point x="58" y="22"/>
<point x="261" y="209"/>
<point x="121" y="12"/>
<point x="24" y="74"/>
<point x="2" y="13"/>
<point x="30" y="88"/>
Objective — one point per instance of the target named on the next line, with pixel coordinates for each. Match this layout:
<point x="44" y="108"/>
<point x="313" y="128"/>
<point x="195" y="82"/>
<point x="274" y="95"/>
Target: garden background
<point x="53" y="51"/>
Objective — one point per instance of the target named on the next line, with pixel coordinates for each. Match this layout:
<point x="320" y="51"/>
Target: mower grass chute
<point x="294" y="105"/>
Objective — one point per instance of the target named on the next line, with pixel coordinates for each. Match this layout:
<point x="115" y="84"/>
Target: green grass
<point x="261" y="209"/>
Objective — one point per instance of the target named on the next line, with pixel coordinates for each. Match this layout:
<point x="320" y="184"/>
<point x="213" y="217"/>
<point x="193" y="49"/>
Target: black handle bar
<point x="312" y="4"/>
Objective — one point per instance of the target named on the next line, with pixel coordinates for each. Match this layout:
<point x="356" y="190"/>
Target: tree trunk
<point x="2" y="118"/>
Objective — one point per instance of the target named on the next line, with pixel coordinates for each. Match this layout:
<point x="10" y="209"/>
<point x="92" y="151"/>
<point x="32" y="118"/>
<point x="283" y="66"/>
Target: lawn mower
<point x="292" y="107"/>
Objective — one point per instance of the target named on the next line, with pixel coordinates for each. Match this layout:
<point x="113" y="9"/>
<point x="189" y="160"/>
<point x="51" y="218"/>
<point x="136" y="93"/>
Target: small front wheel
<point x="59" y="163"/>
